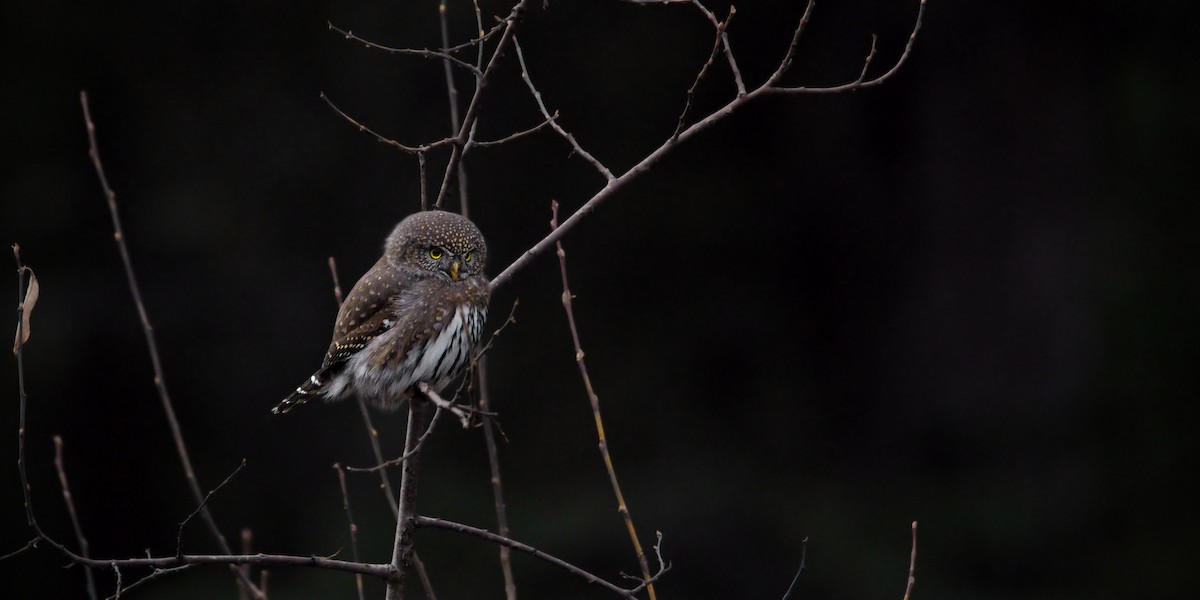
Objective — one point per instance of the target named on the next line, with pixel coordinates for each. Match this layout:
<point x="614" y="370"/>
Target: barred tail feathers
<point x="311" y="387"/>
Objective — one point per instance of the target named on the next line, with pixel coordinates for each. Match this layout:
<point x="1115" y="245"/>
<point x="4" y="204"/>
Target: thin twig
<point x="418" y="150"/>
<point x="803" y="559"/>
<point x="22" y="288"/>
<point x="337" y="286"/>
<point x="691" y="93"/>
<point x="858" y="83"/>
<point x="70" y="502"/>
<point x="484" y="534"/>
<point x="403" y="457"/>
<point x="468" y="123"/>
<point x="373" y="436"/>
<point x="247" y="548"/>
<point x="30" y="544"/>
<point x="418" y="412"/>
<point x="155" y="574"/>
<point x="724" y="35"/>
<point x="516" y="136"/>
<point x="594" y="400"/>
<point x="452" y="99"/>
<point x="203" y="504"/>
<point x="341" y="475"/>
<point x="912" y="564"/>
<point x="152" y="345"/>
<point x="424" y="181"/>
<point x="566" y="135"/>
<point x="615" y="184"/>
<point x="512" y="318"/>
<point x="663" y="566"/>
<point x="455" y="409"/>
<point x="422" y="52"/>
<point x="510" y="585"/>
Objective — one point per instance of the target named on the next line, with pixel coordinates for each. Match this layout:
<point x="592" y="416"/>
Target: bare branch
<point x="516" y="136"/>
<point x="537" y="97"/>
<point x="30" y="544"/>
<point x="203" y="503"/>
<point x="510" y="585"/>
<point x="724" y="35"/>
<point x="468" y="124"/>
<point x="594" y="400"/>
<point x="717" y="43"/>
<point x="912" y="564"/>
<point x="418" y="150"/>
<point x="530" y="550"/>
<point x="155" y="574"/>
<point x="771" y="87"/>
<point x="422" y="52"/>
<point x="452" y="100"/>
<point x="152" y="345"/>
<point x="22" y="289"/>
<point x="615" y="184"/>
<point x="400" y="460"/>
<point x="70" y="502"/>
<point x="790" y="55"/>
<point x="337" y="286"/>
<point x="406" y="510"/>
<point x="796" y="578"/>
<point x="457" y="410"/>
<point x="512" y="318"/>
<point x="341" y="475"/>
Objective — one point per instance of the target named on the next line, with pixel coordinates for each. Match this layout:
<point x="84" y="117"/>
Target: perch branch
<point x="373" y="437"/>
<point x="406" y="510"/>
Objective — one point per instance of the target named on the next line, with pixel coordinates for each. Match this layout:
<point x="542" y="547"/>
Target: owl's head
<point x="445" y="243"/>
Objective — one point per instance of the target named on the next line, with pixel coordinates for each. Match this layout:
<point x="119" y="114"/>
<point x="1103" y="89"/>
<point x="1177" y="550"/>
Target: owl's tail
<point x="311" y="387"/>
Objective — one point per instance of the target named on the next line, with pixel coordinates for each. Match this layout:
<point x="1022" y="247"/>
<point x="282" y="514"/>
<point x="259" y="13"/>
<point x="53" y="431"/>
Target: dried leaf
<point x="31" y="298"/>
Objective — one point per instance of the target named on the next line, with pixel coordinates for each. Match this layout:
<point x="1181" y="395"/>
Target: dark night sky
<point x="967" y="298"/>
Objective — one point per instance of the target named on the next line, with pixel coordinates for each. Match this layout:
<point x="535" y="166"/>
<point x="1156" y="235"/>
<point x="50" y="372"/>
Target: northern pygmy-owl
<point x="416" y="316"/>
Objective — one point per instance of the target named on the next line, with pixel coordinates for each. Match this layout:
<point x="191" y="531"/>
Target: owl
<point x="416" y="316"/>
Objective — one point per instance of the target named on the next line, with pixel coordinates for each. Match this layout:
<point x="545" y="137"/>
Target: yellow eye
<point x="467" y="258"/>
<point x="435" y="253"/>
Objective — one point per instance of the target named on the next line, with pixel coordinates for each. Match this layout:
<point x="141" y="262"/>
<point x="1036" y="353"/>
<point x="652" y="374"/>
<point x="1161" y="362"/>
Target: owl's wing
<point x="366" y="313"/>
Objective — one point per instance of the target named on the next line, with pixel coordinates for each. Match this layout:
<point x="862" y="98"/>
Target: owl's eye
<point x="467" y="257"/>
<point x="435" y="253"/>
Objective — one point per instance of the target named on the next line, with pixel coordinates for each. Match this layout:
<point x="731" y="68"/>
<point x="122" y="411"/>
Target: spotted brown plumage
<point x="415" y="316"/>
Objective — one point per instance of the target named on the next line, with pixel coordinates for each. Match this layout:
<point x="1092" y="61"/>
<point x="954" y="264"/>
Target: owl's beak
<point x="454" y="270"/>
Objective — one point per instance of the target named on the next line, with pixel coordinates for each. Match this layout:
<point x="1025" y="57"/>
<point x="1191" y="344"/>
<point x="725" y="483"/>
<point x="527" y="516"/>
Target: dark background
<point x="967" y="298"/>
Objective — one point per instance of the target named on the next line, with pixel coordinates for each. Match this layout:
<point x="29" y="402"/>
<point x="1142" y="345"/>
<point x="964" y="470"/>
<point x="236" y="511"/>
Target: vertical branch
<point x="418" y="414"/>
<point x="358" y="580"/>
<point x="19" y="350"/>
<point x="510" y="585"/>
<point x="912" y="564"/>
<point x="622" y="507"/>
<point x="452" y="100"/>
<point x="70" y="502"/>
<point x="373" y="435"/>
<point x="159" y="382"/>
<point x="468" y="123"/>
<point x="510" y="588"/>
